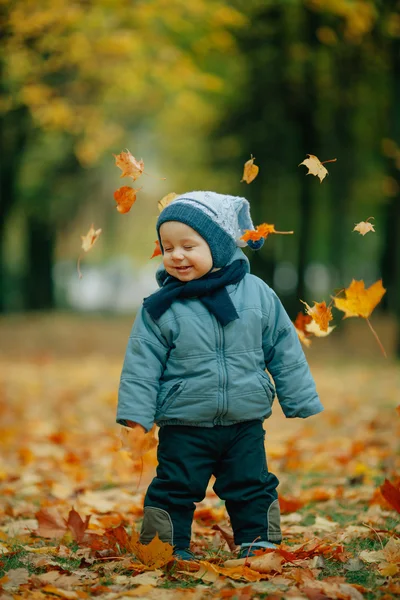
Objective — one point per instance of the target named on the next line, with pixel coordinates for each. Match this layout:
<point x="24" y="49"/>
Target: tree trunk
<point x="390" y="258"/>
<point x="13" y="134"/>
<point x="39" y="288"/>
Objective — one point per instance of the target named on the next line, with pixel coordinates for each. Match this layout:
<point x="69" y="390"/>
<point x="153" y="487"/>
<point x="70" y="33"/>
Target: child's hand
<point x="136" y="441"/>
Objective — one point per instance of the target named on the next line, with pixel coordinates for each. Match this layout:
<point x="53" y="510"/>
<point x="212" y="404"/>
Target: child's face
<point x="187" y="255"/>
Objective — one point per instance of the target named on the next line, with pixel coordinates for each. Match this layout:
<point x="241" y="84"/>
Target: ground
<point x="61" y="463"/>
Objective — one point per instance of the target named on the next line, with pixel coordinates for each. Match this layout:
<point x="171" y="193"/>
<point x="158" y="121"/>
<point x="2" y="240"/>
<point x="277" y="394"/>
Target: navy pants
<point x="235" y="454"/>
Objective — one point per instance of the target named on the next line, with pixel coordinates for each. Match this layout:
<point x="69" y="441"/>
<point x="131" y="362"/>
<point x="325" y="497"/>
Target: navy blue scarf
<point x="210" y="289"/>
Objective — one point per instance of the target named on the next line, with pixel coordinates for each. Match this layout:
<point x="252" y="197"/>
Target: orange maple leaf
<point x="261" y="231"/>
<point x="155" y="555"/>
<point x="360" y="302"/>
<point x="320" y="313"/>
<point x="157" y="249"/>
<point x="250" y="170"/>
<point x="301" y="321"/>
<point x="125" y="197"/>
<point x="129" y="165"/>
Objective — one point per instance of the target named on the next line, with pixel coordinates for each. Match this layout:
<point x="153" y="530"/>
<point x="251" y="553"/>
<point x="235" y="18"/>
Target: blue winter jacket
<point x="187" y="369"/>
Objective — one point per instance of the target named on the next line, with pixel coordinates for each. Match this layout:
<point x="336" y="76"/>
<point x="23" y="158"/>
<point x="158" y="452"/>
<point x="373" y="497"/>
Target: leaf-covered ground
<point x="60" y="464"/>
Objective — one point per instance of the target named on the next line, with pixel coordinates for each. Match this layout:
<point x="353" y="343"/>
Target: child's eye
<point x="167" y="249"/>
<point x="188" y="247"/>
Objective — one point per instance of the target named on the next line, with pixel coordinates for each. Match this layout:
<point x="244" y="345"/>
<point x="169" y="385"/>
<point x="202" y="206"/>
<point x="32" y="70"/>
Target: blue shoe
<point x="247" y="550"/>
<point x="184" y="554"/>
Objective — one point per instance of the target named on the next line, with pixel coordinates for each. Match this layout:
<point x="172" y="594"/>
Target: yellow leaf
<point x="250" y="170"/>
<point x="360" y="302"/>
<point x="388" y="569"/>
<point x="90" y="238"/>
<point x="364" y="227"/>
<point x="155" y="555"/>
<point x="315" y="166"/>
<point x="161" y="204"/>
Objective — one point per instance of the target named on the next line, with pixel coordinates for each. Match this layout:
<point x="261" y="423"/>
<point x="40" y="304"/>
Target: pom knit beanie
<point x="221" y="220"/>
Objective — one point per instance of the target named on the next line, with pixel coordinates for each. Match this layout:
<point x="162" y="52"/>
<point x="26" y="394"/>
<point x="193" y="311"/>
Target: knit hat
<point x="221" y="220"/>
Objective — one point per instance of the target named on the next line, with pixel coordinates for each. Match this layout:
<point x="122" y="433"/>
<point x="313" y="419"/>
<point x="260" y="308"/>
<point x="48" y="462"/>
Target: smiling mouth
<point x="183" y="269"/>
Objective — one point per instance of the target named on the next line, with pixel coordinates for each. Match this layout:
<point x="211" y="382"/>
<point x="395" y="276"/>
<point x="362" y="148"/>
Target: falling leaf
<point x="90" y="238"/>
<point x="261" y="231"/>
<point x="157" y="250"/>
<point x="364" y="226"/>
<point x="125" y="196"/>
<point x="250" y="171"/>
<point x="166" y="200"/>
<point x="303" y="338"/>
<point x="156" y="554"/>
<point x="300" y="325"/>
<point x="320" y="313"/>
<point x="391" y="494"/>
<point x="128" y="164"/>
<point x="137" y="442"/>
<point x="360" y="302"/>
<point x="315" y="329"/>
<point x="315" y="166"/>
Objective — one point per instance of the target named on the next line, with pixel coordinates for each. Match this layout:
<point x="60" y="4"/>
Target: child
<point x="195" y="365"/>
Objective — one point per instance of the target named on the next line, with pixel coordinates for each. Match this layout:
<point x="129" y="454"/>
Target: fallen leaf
<point x="125" y="197"/>
<point x="54" y="591"/>
<point x="156" y="554"/>
<point x="364" y="227"/>
<point x="391" y="494"/>
<point x="250" y="171"/>
<point x="50" y="523"/>
<point x="315" y="166"/>
<point x="14" y="578"/>
<point x="90" y="238"/>
<point x="129" y="165"/>
<point x="320" y="313"/>
<point x="157" y="250"/>
<point x="360" y="302"/>
<point x="161" y="204"/>
<point x="261" y="231"/>
<point x="77" y="525"/>
<point x="389" y="570"/>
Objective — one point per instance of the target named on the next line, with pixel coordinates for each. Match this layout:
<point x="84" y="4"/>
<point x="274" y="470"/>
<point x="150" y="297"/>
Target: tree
<point x="88" y="72"/>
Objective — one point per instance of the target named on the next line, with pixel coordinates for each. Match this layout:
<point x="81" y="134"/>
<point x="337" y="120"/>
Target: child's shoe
<point x="247" y="550"/>
<point x="184" y="554"/>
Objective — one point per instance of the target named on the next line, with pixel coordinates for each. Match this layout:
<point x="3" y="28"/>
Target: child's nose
<point x="177" y="254"/>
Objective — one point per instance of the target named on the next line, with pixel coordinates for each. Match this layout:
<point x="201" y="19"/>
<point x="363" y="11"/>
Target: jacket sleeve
<point x="144" y="364"/>
<point x="285" y="360"/>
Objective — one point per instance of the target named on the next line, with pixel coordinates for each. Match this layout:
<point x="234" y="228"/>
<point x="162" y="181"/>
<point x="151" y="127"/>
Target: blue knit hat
<point x="221" y="220"/>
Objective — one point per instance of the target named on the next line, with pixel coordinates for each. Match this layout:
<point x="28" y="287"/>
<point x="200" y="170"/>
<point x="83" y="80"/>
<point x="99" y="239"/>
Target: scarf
<point x="210" y="289"/>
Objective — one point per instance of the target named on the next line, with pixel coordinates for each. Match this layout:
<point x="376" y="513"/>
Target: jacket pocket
<point x="267" y="384"/>
<point x="170" y="397"/>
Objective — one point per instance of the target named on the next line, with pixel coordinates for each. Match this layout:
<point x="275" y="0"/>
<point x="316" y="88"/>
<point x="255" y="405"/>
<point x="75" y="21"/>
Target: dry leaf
<point x="50" y="523"/>
<point x="315" y="329"/>
<point x="137" y="442"/>
<point x="261" y="231"/>
<point x="250" y="171"/>
<point x="364" y="226"/>
<point x="90" y="238"/>
<point x="315" y="166"/>
<point x="125" y="197"/>
<point x="360" y="302"/>
<point x="157" y="250"/>
<point x="161" y="204"/>
<point x="391" y="494"/>
<point x="320" y="313"/>
<point x="128" y="164"/>
<point x="77" y="525"/>
<point x="155" y="555"/>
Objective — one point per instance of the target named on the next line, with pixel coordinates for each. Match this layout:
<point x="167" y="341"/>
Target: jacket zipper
<point x="220" y="354"/>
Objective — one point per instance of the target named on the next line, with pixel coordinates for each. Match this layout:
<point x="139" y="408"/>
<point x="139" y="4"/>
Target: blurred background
<point x="194" y="88"/>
